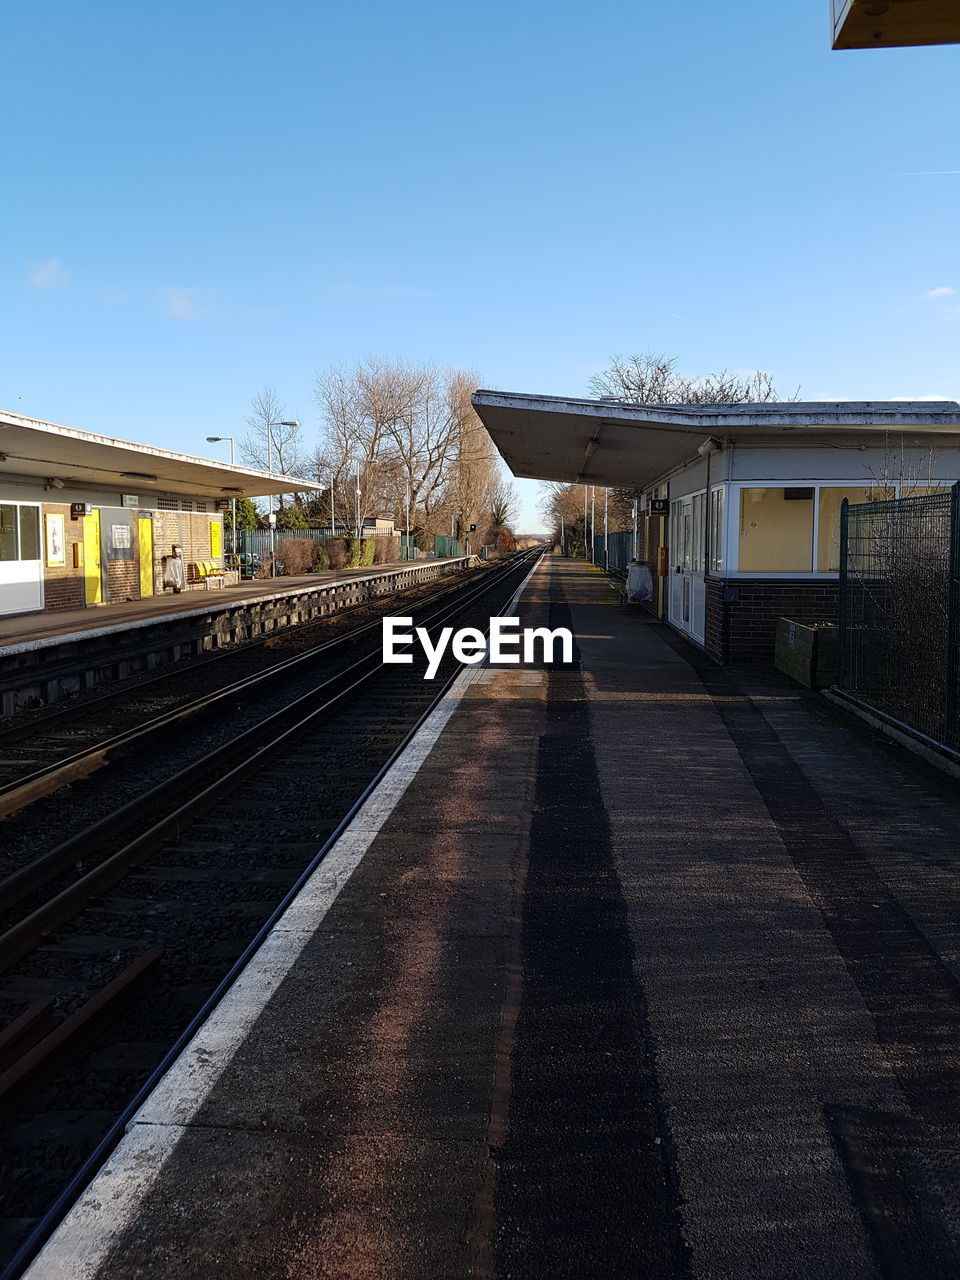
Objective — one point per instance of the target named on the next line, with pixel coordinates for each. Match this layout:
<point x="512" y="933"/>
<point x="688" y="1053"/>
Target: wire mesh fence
<point x="899" y="579"/>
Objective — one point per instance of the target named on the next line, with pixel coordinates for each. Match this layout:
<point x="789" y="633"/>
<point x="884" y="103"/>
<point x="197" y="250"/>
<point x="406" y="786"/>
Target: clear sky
<point x="201" y="199"/>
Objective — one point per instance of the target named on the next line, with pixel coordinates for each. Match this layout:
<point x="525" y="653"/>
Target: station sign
<point x="659" y="506"/>
<point x="78" y="509"/>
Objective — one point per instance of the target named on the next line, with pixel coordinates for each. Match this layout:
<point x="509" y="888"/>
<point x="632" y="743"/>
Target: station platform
<point x="632" y="967"/>
<point x="45" y="657"/>
<point x="29" y="628"/>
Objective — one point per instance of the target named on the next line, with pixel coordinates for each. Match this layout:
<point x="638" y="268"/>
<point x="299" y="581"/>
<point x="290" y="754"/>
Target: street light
<point x="233" y="501"/>
<point x="271" y="518"/>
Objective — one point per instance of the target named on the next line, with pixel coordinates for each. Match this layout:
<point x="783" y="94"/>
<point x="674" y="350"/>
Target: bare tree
<point x="649" y="378"/>
<point x="407" y="431"/>
<point x="288" y="457"/>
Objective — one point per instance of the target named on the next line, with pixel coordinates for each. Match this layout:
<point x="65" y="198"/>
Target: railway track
<point x="166" y="894"/>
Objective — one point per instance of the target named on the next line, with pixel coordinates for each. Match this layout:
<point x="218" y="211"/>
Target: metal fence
<point x="899" y="627"/>
<point x="614" y="552"/>
<point x="445" y="546"/>
<point x="256" y="543"/>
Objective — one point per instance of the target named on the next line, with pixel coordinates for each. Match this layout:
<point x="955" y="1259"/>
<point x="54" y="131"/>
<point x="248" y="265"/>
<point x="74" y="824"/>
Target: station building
<point x="740" y="503"/>
<point x="87" y="519"/>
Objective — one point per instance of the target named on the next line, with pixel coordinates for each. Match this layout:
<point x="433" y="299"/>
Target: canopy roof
<point x="29" y="447"/>
<point x="611" y="443"/>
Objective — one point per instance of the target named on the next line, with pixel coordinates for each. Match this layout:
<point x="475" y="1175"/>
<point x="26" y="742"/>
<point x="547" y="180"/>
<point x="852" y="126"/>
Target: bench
<point x="210" y="574"/>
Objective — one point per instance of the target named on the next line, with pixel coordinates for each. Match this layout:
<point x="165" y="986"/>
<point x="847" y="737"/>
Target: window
<point x="828" y="534"/>
<point x="8" y="531"/>
<point x="697" y="510"/>
<point x="776" y="533"/>
<point x="19" y="532"/>
<point x="716" y="531"/>
<point x="29" y="533"/>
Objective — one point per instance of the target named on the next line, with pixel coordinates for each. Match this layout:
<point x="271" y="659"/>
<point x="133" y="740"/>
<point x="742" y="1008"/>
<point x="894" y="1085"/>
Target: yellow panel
<point x="92" y="584"/>
<point x="216" y="538"/>
<point x="776" y="534"/>
<point x="146" y="557"/>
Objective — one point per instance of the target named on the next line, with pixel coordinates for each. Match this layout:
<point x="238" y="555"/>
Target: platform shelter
<point x="87" y="519"/>
<point x="740" y="504"/>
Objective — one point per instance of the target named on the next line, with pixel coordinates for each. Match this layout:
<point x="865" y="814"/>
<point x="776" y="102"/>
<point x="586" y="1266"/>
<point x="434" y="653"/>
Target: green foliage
<point x="321" y="559"/>
<point x="354" y="551"/>
<point x="291" y="518"/>
<point x="368" y="551"/>
<point x="248" y="517"/>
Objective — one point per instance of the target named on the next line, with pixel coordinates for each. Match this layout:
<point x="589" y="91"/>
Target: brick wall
<point x="189" y="530"/>
<point x="62" y="584"/>
<point x="742" y="615"/>
<point x="123" y="579"/>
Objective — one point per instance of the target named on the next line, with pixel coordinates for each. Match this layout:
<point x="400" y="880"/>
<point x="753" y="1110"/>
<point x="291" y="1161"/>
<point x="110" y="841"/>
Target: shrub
<point x="354" y="551"/>
<point x="386" y="550"/>
<point x="505" y="540"/>
<point x="367" y="551"/>
<point x="337" y="553"/>
<point x="321" y="558"/>
<point x="298" y="555"/>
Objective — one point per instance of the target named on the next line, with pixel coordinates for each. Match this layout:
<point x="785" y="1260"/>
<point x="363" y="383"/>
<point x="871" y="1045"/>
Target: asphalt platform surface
<point x="652" y="972"/>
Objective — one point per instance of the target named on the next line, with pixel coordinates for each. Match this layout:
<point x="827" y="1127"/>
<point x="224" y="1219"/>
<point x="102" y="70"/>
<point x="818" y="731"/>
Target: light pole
<point x="606" y="535"/>
<point x="271" y="518"/>
<point x="358" y="499"/>
<point x="584" y="522"/>
<point x="407" y="549"/>
<point x="593" y="523"/>
<point x="233" y="501"/>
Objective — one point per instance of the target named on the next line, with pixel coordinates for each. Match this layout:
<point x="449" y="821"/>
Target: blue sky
<point x="203" y="199"/>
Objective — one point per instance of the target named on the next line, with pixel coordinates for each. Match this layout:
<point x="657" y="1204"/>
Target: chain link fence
<point x="899" y="628"/>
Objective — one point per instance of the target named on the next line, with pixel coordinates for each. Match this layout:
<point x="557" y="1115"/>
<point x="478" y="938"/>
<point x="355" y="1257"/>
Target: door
<point x="687" y="590"/>
<point x="21" y="565"/>
<point x="145" y="528"/>
<point x="92" y="579"/>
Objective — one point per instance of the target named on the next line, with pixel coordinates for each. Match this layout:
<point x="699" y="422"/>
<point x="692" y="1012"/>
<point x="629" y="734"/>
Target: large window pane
<point x="716" y="531"/>
<point x="29" y="533"/>
<point x="776" y="530"/>
<point x="828" y="533"/>
<point x="8" y="531"/>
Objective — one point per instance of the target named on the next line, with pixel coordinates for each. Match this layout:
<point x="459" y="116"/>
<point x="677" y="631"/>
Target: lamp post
<point x="358" y="495"/>
<point x="233" y="501"/>
<point x="407" y="548"/>
<point x="606" y="534"/>
<point x="271" y="518"/>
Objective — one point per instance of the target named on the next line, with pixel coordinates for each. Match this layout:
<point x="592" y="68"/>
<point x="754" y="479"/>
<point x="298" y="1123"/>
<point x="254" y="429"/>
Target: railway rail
<point x="168" y="893"/>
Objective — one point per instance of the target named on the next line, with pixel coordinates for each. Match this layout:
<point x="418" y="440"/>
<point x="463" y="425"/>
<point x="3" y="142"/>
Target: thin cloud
<point x="111" y="297"/>
<point x="926" y="173"/>
<point x="49" y="275"/>
<point x="941" y="291"/>
<point x="184" y="304"/>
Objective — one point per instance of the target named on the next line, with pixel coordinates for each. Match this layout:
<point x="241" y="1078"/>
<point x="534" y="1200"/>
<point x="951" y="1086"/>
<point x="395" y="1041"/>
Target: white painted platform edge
<point x="84" y="1239"/>
<point x="221" y="606"/>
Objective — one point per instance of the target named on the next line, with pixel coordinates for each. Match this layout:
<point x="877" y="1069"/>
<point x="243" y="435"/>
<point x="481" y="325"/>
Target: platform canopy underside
<point x="610" y="443"/>
<point x="29" y="447"/>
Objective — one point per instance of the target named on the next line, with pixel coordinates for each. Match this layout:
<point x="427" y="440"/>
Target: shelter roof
<point x="30" y="447"/>
<point x="610" y="442"/>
